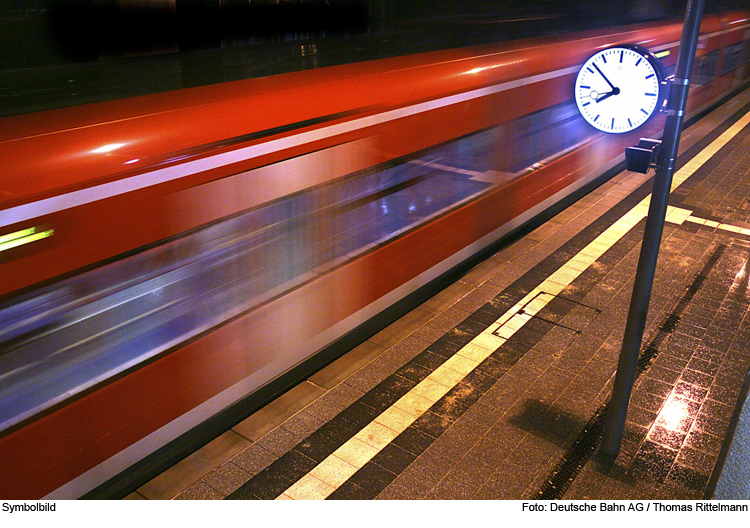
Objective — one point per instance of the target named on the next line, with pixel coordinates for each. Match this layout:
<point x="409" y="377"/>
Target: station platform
<point x="498" y="387"/>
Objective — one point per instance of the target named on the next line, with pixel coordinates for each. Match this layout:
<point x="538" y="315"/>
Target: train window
<point x="704" y="70"/>
<point x="732" y="55"/>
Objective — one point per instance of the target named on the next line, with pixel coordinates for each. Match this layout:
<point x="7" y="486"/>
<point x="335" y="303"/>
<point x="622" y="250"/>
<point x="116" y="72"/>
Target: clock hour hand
<point x="604" y="77"/>
<point x="608" y="94"/>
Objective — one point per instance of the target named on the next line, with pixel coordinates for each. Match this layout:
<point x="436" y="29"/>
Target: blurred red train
<point x="171" y="261"/>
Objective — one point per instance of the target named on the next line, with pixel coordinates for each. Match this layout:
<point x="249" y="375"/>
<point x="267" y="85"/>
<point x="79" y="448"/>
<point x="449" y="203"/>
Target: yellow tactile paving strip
<point x="679" y="216"/>
<point x="343" y="463"/>
<point x="717" y="225"/>
<point x="354" y="454"/>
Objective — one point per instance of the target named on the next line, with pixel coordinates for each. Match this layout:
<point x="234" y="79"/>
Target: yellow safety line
<point x="718" y="225"/>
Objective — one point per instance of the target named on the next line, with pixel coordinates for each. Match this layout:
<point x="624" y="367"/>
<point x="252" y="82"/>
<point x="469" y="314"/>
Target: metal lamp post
<point x="644" y="278"/>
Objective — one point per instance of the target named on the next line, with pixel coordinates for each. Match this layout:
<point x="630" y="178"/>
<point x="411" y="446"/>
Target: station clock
<point x="620" y="88"/>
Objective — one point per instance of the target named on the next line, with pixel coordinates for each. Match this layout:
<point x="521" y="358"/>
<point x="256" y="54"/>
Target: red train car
<point x="167" y="258"/>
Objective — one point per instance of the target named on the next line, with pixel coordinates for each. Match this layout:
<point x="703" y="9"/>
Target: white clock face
<point x="617" y="90"/>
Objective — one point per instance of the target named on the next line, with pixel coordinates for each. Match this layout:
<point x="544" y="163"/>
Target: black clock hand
<point x="604" y="76"/>
<point x="616" y="91"/>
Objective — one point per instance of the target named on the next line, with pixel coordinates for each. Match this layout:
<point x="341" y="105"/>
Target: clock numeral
<point x="630" y="123"/>
<point x="621" y="54"/>
<point x="639" y="61"/>
<point x="597" y="117"/>
<point x="649" y="76"/>
<point x="651" y="94"/>
<point x="586" y="104"/>
<point x="586" y="87"/>
<point x="642" y="110"/>
<point x="613" y="122"/>
<point x="589" y="69"/>
<point x="604" y="59"/>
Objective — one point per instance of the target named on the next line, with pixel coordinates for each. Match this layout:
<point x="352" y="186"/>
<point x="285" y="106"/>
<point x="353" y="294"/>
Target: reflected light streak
<point x="23" y="237"/>
<point x="740" y="278"/>
<point x="107" y="148"/>
<point x="483" y="68"/>
<point x="742" y="273"/>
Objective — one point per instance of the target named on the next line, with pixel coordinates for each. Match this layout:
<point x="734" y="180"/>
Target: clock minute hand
<point x="604" y="77"/>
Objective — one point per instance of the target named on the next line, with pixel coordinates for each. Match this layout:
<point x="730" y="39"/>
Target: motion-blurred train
<point x="174" y="257"/>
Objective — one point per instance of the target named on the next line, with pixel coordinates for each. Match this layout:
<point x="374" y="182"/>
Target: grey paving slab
<point x="191" y="469"/>
<point x="279" y="441"/>
<point x="344" y="367"/>
<point x="333" y="402"/>
<point x="226" y="478"/>
<point x="448" y="297"/>
<point x="199" y="491"/>
<point x="394" y="333"/>
<point x="481" y="273"/>
<point x="260" y="423"/>
<point x="254" y="459"/>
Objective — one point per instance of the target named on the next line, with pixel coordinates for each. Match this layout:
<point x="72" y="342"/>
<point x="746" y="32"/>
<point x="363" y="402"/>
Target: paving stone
<point x="344" y="367"/>
<point x="279" y="441"/>
<point x="254" y="459"/>
<point x="227" y="478"/>
<point x="191" y="469"/>
<point x="200" y="491"/>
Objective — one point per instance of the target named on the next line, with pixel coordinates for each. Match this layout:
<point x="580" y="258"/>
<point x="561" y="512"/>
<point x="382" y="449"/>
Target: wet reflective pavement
<point x="682" y="407"/>
<point x="497" y="387"/>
